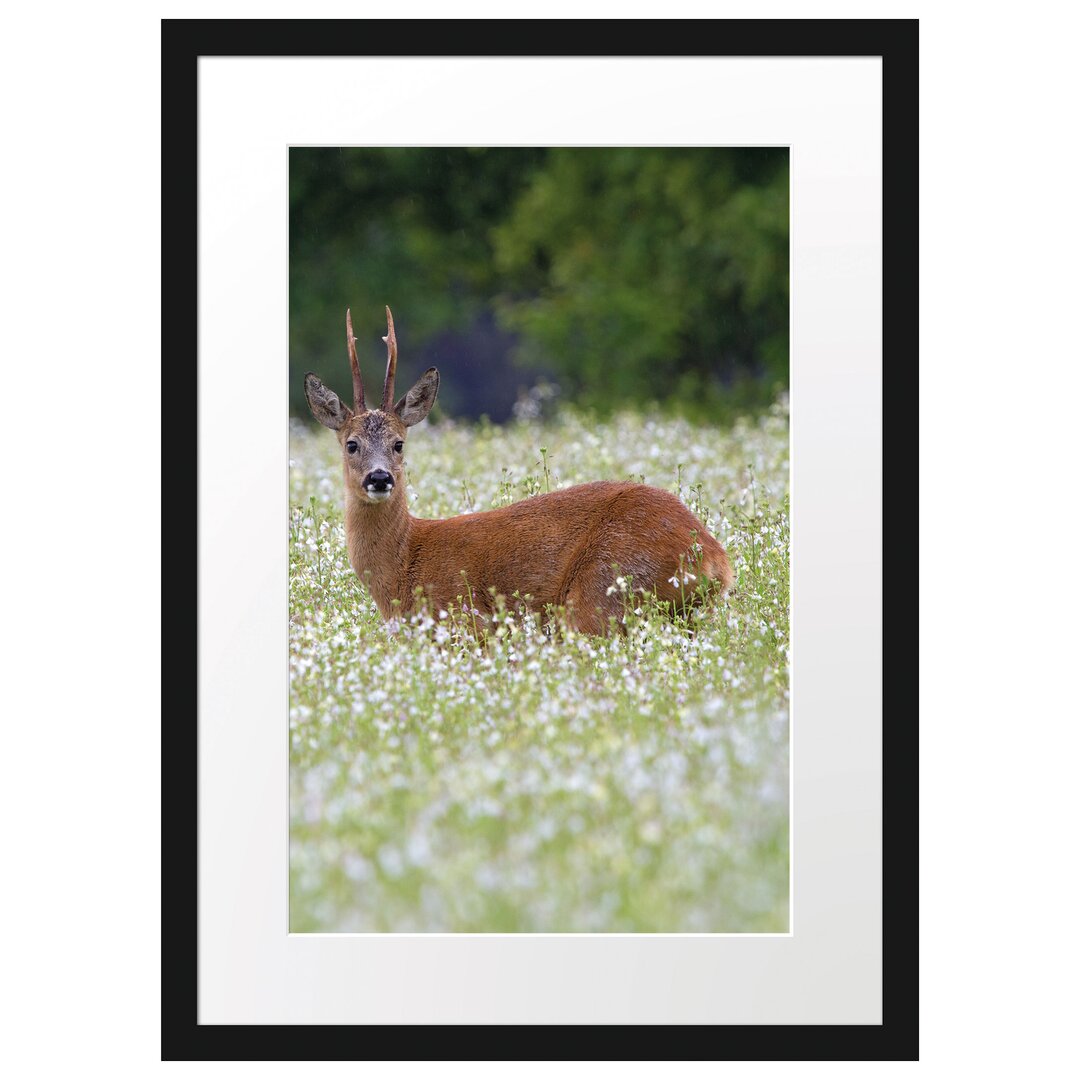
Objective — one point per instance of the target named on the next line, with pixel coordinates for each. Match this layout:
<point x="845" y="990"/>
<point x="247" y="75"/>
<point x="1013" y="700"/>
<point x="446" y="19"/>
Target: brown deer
<point x="561" y="548"/>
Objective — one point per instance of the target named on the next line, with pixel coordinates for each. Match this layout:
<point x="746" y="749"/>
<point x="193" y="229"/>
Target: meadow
<point x="541" y="780"/>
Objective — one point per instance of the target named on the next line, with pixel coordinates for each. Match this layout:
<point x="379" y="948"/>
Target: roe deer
<point x="553" y="549"/>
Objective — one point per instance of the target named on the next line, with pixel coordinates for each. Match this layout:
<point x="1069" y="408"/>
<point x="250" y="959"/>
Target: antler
<point x="354" y="363"/>
<point x="391" y="362"/>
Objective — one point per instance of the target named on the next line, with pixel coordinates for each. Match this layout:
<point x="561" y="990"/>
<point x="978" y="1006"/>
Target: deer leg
<point x="589" y="608"/>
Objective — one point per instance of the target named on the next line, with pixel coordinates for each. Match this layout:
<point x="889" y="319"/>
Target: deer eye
<point x="399" y="446"/>
<point x="352" y="446"/>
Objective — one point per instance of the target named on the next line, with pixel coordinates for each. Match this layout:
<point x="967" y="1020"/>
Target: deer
<point x="561" y="550"/>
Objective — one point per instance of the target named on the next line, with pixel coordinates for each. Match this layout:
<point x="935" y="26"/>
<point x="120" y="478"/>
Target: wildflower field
<point x="542" y="780"/>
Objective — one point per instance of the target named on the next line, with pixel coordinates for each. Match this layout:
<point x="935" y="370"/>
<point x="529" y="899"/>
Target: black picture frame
<point x="183" y="42"/>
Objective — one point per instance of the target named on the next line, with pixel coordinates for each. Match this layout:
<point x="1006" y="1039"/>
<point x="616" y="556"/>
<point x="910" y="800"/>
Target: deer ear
<point x="325" y="405"/>
<point x="416" y="404"/>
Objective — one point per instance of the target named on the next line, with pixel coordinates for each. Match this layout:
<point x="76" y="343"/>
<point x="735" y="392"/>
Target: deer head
<point x="372" y="440"/>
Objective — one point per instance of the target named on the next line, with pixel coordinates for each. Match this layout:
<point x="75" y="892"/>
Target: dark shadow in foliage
<point x="630" y="275"/>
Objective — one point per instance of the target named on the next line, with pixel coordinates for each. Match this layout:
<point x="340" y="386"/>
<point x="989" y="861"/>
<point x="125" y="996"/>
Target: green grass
<point x="544" y="782"/>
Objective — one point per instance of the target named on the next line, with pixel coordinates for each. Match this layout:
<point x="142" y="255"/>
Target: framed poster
<point x="309" y="917"/>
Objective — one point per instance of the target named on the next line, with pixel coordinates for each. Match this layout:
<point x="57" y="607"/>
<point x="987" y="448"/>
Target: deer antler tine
<point x="391" y="362"/>
<point x="354" y="363"/>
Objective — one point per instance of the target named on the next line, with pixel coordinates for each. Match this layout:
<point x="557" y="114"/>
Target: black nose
<point x="379" y="479"/>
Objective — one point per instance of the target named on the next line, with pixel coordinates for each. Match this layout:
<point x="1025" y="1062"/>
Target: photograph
<point x="539" y="540"/>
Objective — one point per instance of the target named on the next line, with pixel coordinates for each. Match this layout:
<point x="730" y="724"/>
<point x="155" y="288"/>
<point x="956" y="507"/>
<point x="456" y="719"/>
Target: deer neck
<point x="378" y="537"/>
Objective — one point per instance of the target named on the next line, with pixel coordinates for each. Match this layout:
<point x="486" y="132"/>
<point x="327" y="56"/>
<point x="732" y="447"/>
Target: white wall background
<point x="998" y="599"/>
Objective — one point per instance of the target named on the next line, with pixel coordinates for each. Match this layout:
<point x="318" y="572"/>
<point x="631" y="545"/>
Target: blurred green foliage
<point x="630" y="275"/>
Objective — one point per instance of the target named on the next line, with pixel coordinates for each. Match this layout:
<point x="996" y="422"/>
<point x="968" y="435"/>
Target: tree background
<point x="609" y="277"/>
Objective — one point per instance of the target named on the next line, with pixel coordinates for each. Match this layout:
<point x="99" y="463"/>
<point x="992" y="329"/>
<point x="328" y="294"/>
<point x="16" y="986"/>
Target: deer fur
<point x="560" y="548"/>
